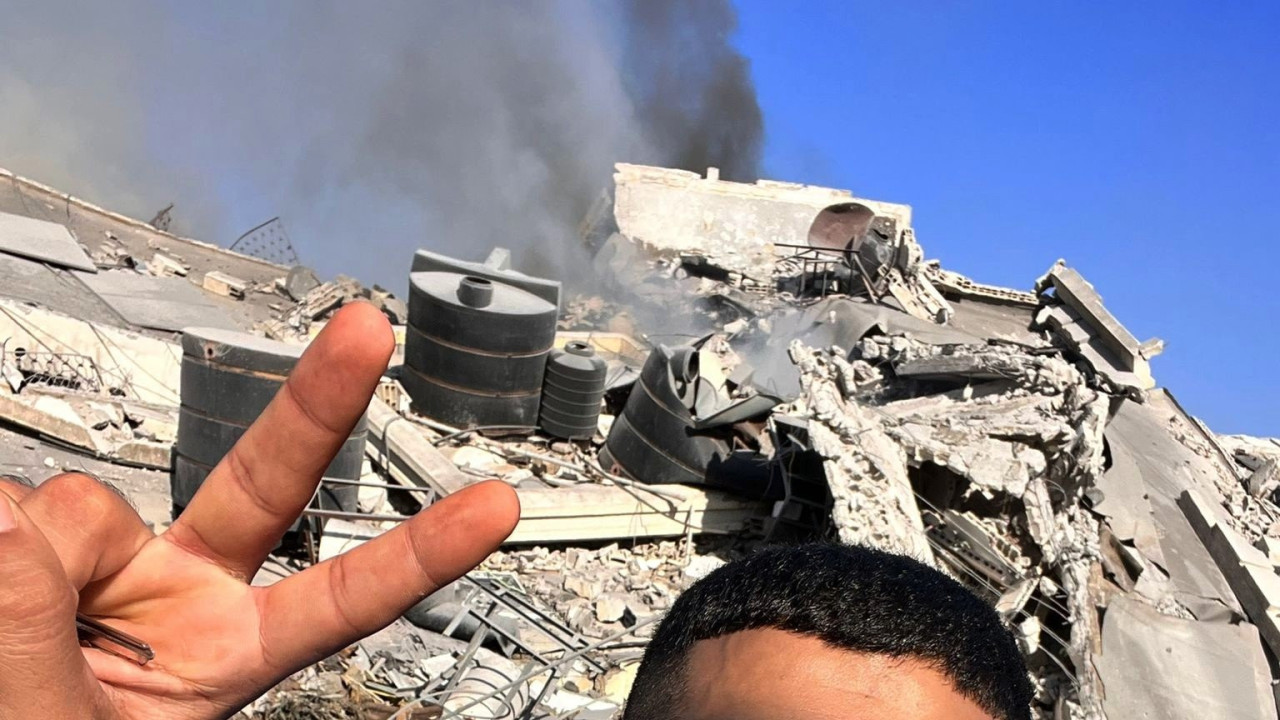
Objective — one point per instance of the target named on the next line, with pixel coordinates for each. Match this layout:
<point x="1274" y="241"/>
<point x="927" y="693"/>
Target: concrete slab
<point x="1077" y="292"/>
<point x="1168" y="468"/>
<point x="43" y="241"/>
<point x="158" y="303"/>
<point x="1125" y="504"/>
<point x="54" y="288"/>
<point x="1247" y="569"/>
<point x="994" y="320"/>
<point x="1148" y="659"/>
<point x="97" y="228"/>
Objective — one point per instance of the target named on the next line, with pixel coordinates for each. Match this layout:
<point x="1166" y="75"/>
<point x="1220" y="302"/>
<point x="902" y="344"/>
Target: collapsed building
<point x="765" y="362"/>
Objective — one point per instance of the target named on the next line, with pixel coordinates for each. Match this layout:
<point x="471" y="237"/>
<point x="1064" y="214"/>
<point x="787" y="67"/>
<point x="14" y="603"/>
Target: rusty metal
<point x="836" y="228"/>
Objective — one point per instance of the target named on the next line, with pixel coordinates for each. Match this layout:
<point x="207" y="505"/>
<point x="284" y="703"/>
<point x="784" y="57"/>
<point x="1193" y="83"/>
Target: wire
<point x="481" y="428"/>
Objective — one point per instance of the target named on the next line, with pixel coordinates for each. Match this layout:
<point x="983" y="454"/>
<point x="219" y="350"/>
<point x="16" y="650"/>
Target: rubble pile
<point x="780" y="362"/>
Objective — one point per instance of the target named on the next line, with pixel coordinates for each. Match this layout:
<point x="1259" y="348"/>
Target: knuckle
<point x="342" y="596"/>
<point x="77" y="493"/>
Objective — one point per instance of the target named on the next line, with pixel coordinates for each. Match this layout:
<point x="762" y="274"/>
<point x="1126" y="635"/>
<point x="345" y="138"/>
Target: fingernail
<point x="7" y="520"/>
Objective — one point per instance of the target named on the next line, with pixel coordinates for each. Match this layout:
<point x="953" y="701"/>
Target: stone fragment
<point x="610" y="607"/>
<point x="221" y="283"/>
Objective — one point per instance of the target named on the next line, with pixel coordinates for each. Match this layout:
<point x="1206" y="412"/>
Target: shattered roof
<point x="86" y="231"/>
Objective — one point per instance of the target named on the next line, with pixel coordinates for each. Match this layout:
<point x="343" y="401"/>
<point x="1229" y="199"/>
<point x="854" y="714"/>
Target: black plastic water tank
<point x="228" y="378"/>
<point x="652" y="441"/>
<point x="476" y="350"/>
<point x="572" y="391"/>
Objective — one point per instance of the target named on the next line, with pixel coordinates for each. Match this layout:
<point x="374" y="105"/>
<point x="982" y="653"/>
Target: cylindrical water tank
<point x="228" y="378"/>
<point x="572" y="391"/>
<point x="652" y="441"/>
<point x="476" y="350"/>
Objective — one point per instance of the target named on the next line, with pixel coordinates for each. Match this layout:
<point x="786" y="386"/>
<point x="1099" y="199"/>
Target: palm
<point x="219" y="642"/>
<point x="203" y="624"/>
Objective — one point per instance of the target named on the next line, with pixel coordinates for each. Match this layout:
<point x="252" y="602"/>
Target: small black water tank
<point x="572" y="391"/>
<point x="653" y="441"/>
<point x="228" y="378"/>
<point x="476" y="350"/>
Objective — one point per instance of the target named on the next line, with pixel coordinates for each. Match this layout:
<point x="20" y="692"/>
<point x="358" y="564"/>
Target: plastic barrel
<point x="228" y="378"/>
<point x="476" y="350"/>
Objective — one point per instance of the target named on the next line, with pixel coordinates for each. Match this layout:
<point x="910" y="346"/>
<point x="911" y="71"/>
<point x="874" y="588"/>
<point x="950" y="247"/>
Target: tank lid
<point x="578" y="347"/>
<point x="456" y="288"/>
<point x="476" y="292"/>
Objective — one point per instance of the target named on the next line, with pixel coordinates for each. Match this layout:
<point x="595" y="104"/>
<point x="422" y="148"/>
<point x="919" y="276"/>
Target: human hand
<point x="72" y="543"/>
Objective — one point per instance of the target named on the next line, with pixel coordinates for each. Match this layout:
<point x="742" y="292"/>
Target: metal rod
<point x="109" y="640"/>
<point x="344" y="515"/>
<point x="501" y="448"/>
<point x="363" y="483"/>
<point x="525" y="676"/>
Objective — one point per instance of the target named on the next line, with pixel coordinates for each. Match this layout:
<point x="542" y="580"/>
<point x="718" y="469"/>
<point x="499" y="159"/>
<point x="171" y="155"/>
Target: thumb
<point x="43" y="673"/>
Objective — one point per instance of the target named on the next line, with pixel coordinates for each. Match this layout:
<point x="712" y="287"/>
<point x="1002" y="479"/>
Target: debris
<point x="1106" y="344"/>
<point x="220" y="283"/>
<point x="1247" y="569"/>
<point x="165" y="266"/>
<point x="610" y="607"/>
<point x="42" y="241"/>
<point x="1148" y="662"/>
<point x="771" y="362"/>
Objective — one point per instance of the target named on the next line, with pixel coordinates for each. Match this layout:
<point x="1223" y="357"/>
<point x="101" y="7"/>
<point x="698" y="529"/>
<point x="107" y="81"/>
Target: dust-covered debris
<point x="805" y="372"/>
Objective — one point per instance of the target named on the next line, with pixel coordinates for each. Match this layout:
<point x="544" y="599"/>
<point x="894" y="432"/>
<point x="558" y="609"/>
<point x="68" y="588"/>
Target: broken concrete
<point x="677" y="211"/>
<point x="1250" y="573"/>
<point x="220" y="283"/>
<point x="42" y="241"/>
<point x="866" y="470"/>
<point x="1008" y="438"/>
<point x="1156" y="666"/>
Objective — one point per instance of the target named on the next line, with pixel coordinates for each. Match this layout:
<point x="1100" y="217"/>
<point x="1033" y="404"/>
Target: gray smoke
<point x="373" y="129"/>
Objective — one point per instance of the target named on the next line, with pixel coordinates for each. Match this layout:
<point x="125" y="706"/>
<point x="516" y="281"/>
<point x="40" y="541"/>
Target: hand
<point x="72" y="543"/>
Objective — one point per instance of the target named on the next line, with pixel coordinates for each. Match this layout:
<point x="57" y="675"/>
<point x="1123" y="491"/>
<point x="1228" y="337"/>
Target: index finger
<point x="261" y="486"/>
<point x="308" y="616"/>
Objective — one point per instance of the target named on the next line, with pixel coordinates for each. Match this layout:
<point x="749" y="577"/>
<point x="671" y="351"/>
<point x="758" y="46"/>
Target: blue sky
<point x="1141" y="143"/>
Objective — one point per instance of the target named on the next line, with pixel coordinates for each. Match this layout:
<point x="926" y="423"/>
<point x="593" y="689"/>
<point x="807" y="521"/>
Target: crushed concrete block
<point x="1151" y="348"/>
<point x="701" y="566"/>
<point x="1028" y="636"/>
<point x="300" y="281"/>
<point x="619" y="681"/>
<point x="1265" y="480"/>
<point x="583" y="586"/>
<point x="144" y="453"/>
<point x="51" y="416"/>
<point x="221" y="283"/>
<point x="164" y="266"/>
<point x="610" y="607"/>
<point x="102" y="415"/>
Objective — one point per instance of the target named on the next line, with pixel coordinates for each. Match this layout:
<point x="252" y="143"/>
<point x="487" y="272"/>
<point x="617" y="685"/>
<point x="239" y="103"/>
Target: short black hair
<point x="851" y="597"/>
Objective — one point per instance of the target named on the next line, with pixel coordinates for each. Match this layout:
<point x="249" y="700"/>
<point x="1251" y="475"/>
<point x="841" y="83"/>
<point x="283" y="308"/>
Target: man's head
<point x="830" y="632"/>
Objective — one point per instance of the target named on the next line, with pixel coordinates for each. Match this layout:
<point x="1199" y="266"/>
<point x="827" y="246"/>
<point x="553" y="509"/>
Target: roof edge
<point x="90" y="207"/>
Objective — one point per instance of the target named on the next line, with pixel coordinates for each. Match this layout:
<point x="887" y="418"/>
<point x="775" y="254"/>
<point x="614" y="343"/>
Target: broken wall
<point x="150" y="367"/>
<point x="681" y="211"/>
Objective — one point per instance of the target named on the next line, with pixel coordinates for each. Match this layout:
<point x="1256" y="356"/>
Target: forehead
<point x="770" y="674"/>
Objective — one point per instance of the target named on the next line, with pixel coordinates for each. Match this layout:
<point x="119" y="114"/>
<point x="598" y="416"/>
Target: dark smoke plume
<point x="372" y="129"/>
